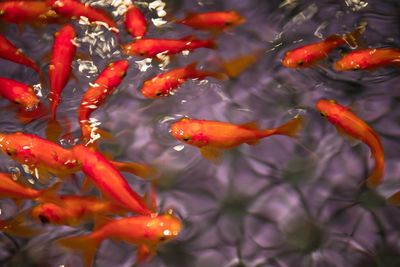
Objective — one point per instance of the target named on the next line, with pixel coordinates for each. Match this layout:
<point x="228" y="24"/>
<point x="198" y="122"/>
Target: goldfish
<point x="74" y="210"/>
<point x="18" y="93"/>
<point x="153" y="47"/>
<point x="60" y="64"/>
<point x="307" y="55"/>
<point x="348" y="123"/>
<point x="213" y="136"/>
<point x="108" y="180"/>
<point x="148" y="232"/>
<point x="135" y="22"/>
<point x="103" y="86"/>
<point x="11" y="53"/>
<point x="33" y="12"/>
<point x="75" y="9"/>
<point x="214" y="21"/>
<point x="368" y="59"/>
<point x="164" y="84"/>
<point x="43" y="158"/>
<point x="11" y="189"/>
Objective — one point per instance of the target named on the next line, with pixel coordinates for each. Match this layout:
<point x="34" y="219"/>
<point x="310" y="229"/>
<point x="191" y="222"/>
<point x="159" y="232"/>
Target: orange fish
<point x="153" y="47"/>
<point x="346" y="122"/>
<point x="148" y="232"/>
<point x="108" y="180"/>
<point x="74" y="210"/>
<point x="135" y="22"/>
<point x="18" y="93"/>
<point x="212" y="136"/>
<point x="33" y="12"/>
<point x="60" y="64"/>
<point x="9" y="52"/>
<point x="307" y="55"/>
<point x="164" y="84"/>
<point x="44" y="158"/>
<point x="75" y="9"/>
<point x="214" y="21"/>
<point x="11" y="189"/>
<point x="368" y="59"/>
<point x="103" y="86"/>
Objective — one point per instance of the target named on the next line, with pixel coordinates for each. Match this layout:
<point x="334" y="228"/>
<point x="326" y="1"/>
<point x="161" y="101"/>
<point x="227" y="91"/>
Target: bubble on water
<point x="356" y="5"/>
<point x="178" y="147"/>
<point x="38" y="89"/>
<point x="158" y="22"/>
<point x="144" y="64"/>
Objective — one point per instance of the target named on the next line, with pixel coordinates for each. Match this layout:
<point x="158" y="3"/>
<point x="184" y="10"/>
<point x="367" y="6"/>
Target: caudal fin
<point x="86" y="245"/>
<point x="291" y="128"/>
<point x="142" y="170"/>
<point x="376" y="177"/>
<point x="18" y="227"/>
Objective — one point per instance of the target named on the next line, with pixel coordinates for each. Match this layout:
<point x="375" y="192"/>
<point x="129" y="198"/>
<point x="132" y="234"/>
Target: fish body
<point x="61" y="64"/>
<point x="32" y="12"/>
<point x="368" y="59"/>
<point x="347" y="122"/>
<point x="11" y="53"/>
<point x="165" y="83"/>
<point x="74" y="210"/>
<point x="108" y="180"/>
<point x="11" y="189"/>
<point x="135" y="22"/>
<point x="18" y="93"/>
<point x="94" y="97"/>
<point x="212" y="21"/>
<point x="147" y="232"/>
<point x="211" y="136"/>
<point x="76" y="9"/>
<point x="153" y="47"/>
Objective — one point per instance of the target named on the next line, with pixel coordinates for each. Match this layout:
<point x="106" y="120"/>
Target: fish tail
<point x="86" y="245"/>
<point x="18" y="227"/>
<point x="291" y="128"/>
<point x="143" y="253"/>
<point x="141" y="170"/>
<point x="210" y="44"/>
<point x="376" y="176"/>
<point x="394" y="199"/>
<point x="50" y="194"/>
<point x="353" y="38"/>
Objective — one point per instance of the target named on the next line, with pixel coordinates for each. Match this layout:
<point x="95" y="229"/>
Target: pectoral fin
<point x="212" y="154"/>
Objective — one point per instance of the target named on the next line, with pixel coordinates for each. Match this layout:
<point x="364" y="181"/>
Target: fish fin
<point x="41" y="174"/>
<point x="353" y="39"/>
<point x="353" y="141"/>
<point x="86" y="245"/>
<point x="50" y="194"/>
<point x="211" y="44"/>
<point x="253" y="142"/>
<point x="26" y="116"/>
<point x="291" y="128"/>
<point x="394" y="199"/>
<point x="188" y="38"/>
<point x="212" y="154"/>
<point x="376" y="177"/>
<point x="150" y="197"/>
<point x="142" y="170"/>
<point x="53" y="130"/>
<point x="143" y="253"/>
<point x="100" y="220"/>
<point x="192" y="67"/>
<point x="87" y="185"/>
<point x="236" y="66"/>
<point x="17" y="226"/>
<point x="250" y="125"/>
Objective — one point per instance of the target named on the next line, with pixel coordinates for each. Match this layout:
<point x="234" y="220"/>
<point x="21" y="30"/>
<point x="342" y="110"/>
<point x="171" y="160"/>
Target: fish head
<point x="153" y="88"/>
<point x="189" y="131"/>
<point x="328" y="108"/>
<point x="48" y="213"/>
<point x="134" y="49"/>
<point x="28" y="100"/>
<point x="165" y="227"/>
<point x="357" y="60"/>
<point x="234" y="19"/>
<point x="297" y="58"/>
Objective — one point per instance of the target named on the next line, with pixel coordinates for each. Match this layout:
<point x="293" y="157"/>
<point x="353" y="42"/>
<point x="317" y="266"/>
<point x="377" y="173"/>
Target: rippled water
<point x="284" y="202"/>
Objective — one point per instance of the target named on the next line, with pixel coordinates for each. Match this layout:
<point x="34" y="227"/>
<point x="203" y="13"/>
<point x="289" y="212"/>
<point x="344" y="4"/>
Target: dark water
<point x="284" y="202"/>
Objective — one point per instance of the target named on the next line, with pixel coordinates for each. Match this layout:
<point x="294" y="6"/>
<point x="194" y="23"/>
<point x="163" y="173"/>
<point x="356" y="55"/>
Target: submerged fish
<point x="18" y="93"/>
<point x="147" y="232"/>
<point x="212" y="21"/>
<point x="212" y="136"/>
<point x="135" y="22"/>
<point x="153" y="47"/>
<point x="369" y="59"/>
<point x="348" y="123"/>
<point x="165" y="83"/>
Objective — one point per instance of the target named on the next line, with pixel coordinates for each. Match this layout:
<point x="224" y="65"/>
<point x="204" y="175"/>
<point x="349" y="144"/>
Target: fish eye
<point x="43" y="219"/>
<point x="300" y="63"/>
<point x="9" y="152"/>
<point x="186" y="138"/>
<point x="142" y="53"/>
<point x="323" y="114"/>
<point x="228" y="23"/>
<point x="158" y="94"/>
<point x="356" y="68"/>
<point x="162" y="238"/>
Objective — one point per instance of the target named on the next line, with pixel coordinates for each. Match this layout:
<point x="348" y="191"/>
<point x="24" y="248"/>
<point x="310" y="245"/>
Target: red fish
<point x="212" y="136"/>
<point x="9" y="52"/>
<point x="33" y="12"/>
<point x="153" y="47"/>
<point x="165" y="83"/>
<point x="76" y="9"/>
<point x="214" y="21"/>
<point x="135" y="22"/>
<point x="307" y="55"/>
<point x="369" y="59"/>
<point x="60" y="64"/>
<point x="346" y="122"/>
<point x="74" y="210"/>
<point x="11" y="189"/>
<point x="18" y="93"/>
<point x="148" y="232"/>
<point x="108" y="180"/>
<point x="103" y="86"/>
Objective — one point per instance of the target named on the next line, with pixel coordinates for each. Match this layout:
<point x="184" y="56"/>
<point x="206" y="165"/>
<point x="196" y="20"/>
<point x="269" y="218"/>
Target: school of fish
<point x="122" y="213"/>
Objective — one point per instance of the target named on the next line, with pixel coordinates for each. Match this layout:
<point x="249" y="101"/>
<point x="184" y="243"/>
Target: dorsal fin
<point x="250" y="125"/>
<point x="188" y="38"/>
